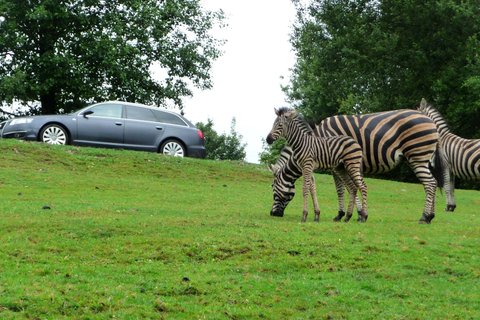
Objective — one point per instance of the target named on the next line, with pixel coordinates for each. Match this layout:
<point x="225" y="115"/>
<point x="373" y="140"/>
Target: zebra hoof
<point x="362" y="216"/>
<point x="426" y="219"/>
<point x="450" y="207"/>
<point x="339" y="217"/>
<point x="362" y="219"/>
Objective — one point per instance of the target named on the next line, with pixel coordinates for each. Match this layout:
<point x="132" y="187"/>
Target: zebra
<point x="342" y="154"/>
<point x="286" y="171"/>
<point x="461" y="156"/>
<point x="386" y="138"/>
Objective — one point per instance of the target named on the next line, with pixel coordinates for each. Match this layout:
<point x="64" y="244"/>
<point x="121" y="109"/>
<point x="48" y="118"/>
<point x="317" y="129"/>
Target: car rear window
<point x="171" y="118"/>
<point x="144" y="114"/>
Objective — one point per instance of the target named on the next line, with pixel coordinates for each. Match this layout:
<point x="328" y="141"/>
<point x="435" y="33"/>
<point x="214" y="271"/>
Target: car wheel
<point x="172" y="148"/>
<point x="54" y="134"/>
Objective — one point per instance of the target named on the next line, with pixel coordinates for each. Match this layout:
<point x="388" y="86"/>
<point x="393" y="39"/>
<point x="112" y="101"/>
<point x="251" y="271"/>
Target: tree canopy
<point x="65" y="53"/>
<point x="372" y="55"/>
<point x="222" y="146"/>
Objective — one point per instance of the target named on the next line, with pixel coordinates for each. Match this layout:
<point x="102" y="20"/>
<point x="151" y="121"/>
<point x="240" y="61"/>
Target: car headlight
<point x="20" y="121"/>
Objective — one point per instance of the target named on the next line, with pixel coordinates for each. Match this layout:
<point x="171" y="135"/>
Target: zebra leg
<point x="449" y="191"/>
<point x="307" y="180"/>
<point x="425" y="176"/>
<point x="351" y="203"/>
<point x="357" y="182"/>
<point x="363" y="214"/>
<point x="340" y="187"/>
<point x="448" y="178"/>
<point x="348" y="184"/>
<point x="305" y="204"/>
<point x="313" y="193"/>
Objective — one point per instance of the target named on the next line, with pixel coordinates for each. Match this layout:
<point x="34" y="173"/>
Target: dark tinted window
<point x="107" y="110"/>
<point x="140" y="114"/>
<point x="171" y="118"/>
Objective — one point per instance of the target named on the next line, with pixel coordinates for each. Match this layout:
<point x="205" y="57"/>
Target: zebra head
<point x="278" y="129"/>
<point x="285" y="172"/>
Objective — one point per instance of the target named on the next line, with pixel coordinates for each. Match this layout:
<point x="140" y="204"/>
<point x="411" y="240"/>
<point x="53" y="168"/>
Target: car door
<point x="101" y="125"/>
<point x="142" y="130"/>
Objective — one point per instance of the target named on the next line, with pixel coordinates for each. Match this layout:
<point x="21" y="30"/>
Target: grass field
<point x="133" y="235"/>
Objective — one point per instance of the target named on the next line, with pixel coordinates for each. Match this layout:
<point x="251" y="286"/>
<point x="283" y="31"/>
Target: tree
<point x="65" y="53"/>
<point x="223" y="146"/>
<point x="270" y="153"/>
<point x="368" y="55"/>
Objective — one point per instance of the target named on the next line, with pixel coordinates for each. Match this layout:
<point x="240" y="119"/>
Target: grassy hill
<point x="102" y="234"/>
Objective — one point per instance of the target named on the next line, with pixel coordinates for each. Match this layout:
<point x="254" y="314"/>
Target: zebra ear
<point x="276" y="112"/>
<point x="423" y="103"/>
<point x="292" y="113"/>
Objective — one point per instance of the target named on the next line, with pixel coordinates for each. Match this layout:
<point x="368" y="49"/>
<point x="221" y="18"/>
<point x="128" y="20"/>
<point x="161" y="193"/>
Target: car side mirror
<point x="87" y="113"/>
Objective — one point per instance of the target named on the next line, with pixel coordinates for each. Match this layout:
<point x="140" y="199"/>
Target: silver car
<point x="113" y="124"/>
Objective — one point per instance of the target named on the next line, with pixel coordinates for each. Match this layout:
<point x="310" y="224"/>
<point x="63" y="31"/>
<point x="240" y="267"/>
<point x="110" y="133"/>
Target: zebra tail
<point x="437" y="168"/>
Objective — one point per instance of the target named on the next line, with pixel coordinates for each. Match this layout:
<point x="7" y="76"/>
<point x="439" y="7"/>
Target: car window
<point x="107" y="110"/>
<point x="168" y="118"/>
<point x="137" y="113"/>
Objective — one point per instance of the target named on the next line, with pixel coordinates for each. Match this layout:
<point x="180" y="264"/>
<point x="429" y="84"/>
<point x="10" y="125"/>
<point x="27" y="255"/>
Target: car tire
<point x="173" y="147"/>
<point x="54" y="134"/>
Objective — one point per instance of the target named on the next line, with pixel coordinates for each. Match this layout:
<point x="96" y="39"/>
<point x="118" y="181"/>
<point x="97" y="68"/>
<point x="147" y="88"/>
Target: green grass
<point x="133" y="235"/>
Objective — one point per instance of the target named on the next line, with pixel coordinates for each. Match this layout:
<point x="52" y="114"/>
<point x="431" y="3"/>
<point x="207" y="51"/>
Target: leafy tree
<point x="270" y="153"/>
<point x="373" y="55"/>
<point x="223" y="146"/>
<point x="65" y="53"/>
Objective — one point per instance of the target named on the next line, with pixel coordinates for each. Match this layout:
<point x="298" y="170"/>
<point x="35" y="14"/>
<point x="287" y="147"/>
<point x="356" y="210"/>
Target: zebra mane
<point x="303" y="124"/>
<point x="436" y="116"/>
<point x="298" y="118"/>
<point x="283" y="110"/>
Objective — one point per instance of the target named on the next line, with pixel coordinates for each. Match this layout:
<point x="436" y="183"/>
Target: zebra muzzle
<point x="270" y="139"/>
<point x="276" y="213"/>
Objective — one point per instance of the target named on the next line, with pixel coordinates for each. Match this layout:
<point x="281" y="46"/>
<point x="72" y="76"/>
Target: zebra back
<point x="463" y="156"/>
<point x="386" y="137"/>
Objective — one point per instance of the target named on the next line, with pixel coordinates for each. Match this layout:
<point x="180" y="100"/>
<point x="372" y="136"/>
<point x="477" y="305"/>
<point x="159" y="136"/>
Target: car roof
<point x="136" y="104"/>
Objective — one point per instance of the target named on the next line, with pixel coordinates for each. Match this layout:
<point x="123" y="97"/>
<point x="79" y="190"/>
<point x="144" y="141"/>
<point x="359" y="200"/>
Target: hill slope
<point x="139" y="235"/>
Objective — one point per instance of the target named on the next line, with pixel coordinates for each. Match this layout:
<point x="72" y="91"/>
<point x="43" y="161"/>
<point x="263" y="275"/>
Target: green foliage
<point x="223" y="146"/>
<point x="186" y="238"/>
<point x="68" y="53"/>
<point x="270" y="153"/>
<point x="368" y="56"/>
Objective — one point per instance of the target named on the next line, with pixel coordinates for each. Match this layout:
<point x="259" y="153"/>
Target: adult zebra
<point x="461" y="156"/>
<point x="386" y="138"/>
<point x="342" y="154"/>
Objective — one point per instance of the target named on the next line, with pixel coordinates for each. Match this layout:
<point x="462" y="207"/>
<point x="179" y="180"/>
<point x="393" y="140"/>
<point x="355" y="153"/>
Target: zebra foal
<point x="342" y="154"/>
<point x="286" y="171"/>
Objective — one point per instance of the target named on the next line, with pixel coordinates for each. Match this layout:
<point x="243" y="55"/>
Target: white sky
<point x="247" y="77"/>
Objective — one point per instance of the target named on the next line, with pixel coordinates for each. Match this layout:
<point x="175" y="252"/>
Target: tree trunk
<point x="48" y="102"/>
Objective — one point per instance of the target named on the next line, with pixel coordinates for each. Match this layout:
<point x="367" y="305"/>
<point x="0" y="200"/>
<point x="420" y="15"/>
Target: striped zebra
<point x="342" y="154"/>
<point x="386" y="138"/>
<point x="461" y="156"/>
<point x="286" y="171"/>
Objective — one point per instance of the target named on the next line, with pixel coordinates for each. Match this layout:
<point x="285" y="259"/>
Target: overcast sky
<point x="247" y="78"/>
